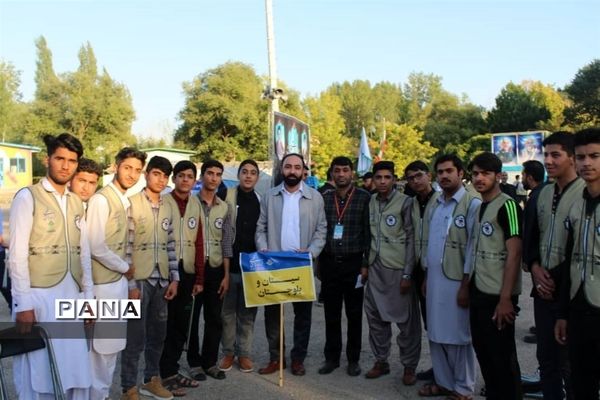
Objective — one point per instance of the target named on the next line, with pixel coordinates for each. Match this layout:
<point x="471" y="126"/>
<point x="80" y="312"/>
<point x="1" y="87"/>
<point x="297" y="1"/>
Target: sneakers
<point x="155" y="389"/>
<point x="131" y="394"/>
<point x="226" y="363"/>
<point x="246" y="364"/>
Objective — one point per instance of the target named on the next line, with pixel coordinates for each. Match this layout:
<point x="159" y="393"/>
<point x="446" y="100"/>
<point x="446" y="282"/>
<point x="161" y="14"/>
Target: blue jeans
<point x="145" y="334"/>
<point x="238" y="320"/>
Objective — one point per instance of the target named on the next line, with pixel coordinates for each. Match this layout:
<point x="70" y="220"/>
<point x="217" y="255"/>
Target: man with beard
<point x="50" y="260"/>
<point x="107" y="231"/>
<point x="447" y="258"/>
<point x="496" y="281"/>
<point x="218" y="237"/>
<point x="344" y="258"/>
<point x="390" y="296"/>
<point x="190" y="257"/>
<point x="546" y="257"/>
<point x="238" y="320"/>
<point x="292" y="218"/>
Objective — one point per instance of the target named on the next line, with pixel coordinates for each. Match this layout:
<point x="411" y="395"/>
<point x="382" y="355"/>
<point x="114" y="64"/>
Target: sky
<point x="476" y="46"/>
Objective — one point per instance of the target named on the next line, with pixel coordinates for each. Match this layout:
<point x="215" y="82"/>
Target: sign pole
<point x="281" y="355"/>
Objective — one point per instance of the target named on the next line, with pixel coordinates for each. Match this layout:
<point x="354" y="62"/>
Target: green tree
<point x="358" y="105"/>
<point x="421" y="92"/>
<point x="516" y="110"/>
<point x="548" y="97"/>
<point x="406" y="144"/>
<point x="584" y="92"/>
<point x="327" y="137"/>
<point x="224" y="116"/>
<point x="11" y="107"/>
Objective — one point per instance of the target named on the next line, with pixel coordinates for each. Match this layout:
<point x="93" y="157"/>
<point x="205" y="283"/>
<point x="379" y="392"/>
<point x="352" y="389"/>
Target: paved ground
<point x="338" y="385"/>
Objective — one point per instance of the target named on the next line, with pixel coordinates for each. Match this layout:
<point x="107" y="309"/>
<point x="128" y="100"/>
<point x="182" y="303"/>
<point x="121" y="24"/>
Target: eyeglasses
<point x="417" y="175"/>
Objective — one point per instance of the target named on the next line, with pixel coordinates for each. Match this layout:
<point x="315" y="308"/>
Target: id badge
<point x="338" y="231"/>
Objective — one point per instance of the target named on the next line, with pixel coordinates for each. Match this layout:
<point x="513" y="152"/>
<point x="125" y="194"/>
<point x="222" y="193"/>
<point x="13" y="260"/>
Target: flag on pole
<point x="364" y="155"/>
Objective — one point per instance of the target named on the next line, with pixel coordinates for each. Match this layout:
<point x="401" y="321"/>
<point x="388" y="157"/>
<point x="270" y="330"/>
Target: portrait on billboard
<point x="505" y="147"/>
<point x="530" y="147"/>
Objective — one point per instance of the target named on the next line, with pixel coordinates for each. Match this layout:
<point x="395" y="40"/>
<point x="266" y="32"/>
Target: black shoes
<point x="353" y="369"/>
<point x="425" y="375"/>
<point x="328" y="367"/>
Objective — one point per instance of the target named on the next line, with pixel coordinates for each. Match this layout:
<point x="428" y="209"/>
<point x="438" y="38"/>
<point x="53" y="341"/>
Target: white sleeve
<point x="20" y="226"/>
<point x="86" y="262"/>
<point x="97" y="215"/>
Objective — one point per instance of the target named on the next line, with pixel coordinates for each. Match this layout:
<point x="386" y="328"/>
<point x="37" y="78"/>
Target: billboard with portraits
<point x="290" y="135"/>
<point x="515" y="148"/>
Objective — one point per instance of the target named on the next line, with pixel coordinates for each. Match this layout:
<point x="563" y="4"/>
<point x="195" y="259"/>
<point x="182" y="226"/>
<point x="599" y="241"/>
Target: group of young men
<point x="452" y="258"/>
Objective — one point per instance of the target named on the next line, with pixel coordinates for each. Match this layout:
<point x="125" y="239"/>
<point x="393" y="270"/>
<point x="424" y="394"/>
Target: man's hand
<point x="224" y="287"/>
<point x="560" y="331"/>
<point x="130" y="272"/>
<point x="544" y="284"/>
<point x="504" y="313"/>
<point x="135" y="294"/>
<point x="462" y="297"/>
<point x="364" y="274"/>
<point x="171" y="290"/>
<point x="196" y="289"/>
<point x="25" y="320"/>
<point x="405" y="285"/>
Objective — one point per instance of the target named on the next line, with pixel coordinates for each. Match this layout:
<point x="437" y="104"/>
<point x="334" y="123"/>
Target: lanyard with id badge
<point x="338" y="229"/>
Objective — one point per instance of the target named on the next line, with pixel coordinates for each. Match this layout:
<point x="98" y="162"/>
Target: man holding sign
<point x="292" y="218"/>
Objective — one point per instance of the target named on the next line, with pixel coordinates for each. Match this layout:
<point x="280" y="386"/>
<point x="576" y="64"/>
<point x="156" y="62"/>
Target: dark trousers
<point x="584" y="353"/>
<point x="419" y="278"/>
<point x="213" y="326"/>
<point x="338" y="281"/>
<point x="552" y="357"/>
<point x="495" y="349"/>
<point x="180" y="309"/>
<point x="302" y="322"/>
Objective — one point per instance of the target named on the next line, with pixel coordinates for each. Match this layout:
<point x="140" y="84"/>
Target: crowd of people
<point x="448" y="261"/>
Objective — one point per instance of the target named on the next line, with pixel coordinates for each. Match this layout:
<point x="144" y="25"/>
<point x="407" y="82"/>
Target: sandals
<point x="198" y="374"/>
<point x="176" y="384"/>
<point x="215" y="372"/>
<point x="433" y="390"/>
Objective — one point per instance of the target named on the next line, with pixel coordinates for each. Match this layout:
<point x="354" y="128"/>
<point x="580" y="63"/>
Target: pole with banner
<point x="277" y="278"/>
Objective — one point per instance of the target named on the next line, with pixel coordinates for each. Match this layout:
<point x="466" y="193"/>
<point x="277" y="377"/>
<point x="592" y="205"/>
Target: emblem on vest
<point x="567" y="223"/>
<point x="460" y="221"/>
<point x="487" y="229"/>
<point x="390" y="220"/>
<point x="165" y="224"/>
<point x="78" y="222"/>
<point x="598" y="229"/>
<point x="192" y="223"/>
<point x="50" y="219"/>
<point x="219" y="223"/>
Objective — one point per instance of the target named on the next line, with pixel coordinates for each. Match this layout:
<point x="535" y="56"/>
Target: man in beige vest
<point x="496" y="281"/>
<point x="217" y="235"/>
<point x="107" y="231"/>
<point x="50" y="260"/>
<point x="156" y="278"/>
<point x="390" y="296"/>
<point x="190" y="256"/>
<point x="85" y="181"/>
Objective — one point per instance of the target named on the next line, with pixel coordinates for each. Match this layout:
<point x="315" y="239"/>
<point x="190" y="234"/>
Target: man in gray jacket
<point x="292" y="218"/>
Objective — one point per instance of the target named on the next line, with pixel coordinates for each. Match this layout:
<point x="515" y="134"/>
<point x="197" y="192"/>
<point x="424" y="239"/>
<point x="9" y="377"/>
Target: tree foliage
<point x="11" y="107"/>
<point x="516" y="110"/>
<point x="584" y="92"/>
<point x="405" y="144"/>
<point x="224" y="116"/>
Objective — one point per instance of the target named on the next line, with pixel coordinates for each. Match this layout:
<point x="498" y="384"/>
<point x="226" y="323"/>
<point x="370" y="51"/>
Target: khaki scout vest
<point x="213" y="231"/>
<point x="490" y="250"/>
<point x="231" y="200"/>
<point x="54" y="247"/>
<point x="421" y="225"/>
<point x="388" y="238"/>
<point x="115" y="236"/>
<point x="586" y="252"/>
<point x="453" y="260"/>
<point x="554" y="227"/>
<point x="151" y="236"/>
<point x="186" y="230"/>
